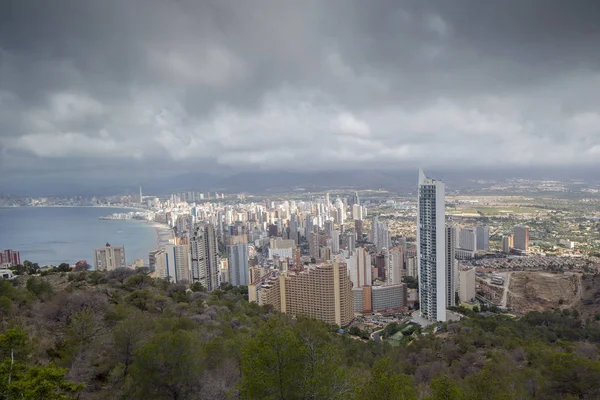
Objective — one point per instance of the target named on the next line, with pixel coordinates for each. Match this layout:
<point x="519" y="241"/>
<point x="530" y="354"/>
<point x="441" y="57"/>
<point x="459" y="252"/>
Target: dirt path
<point x="506" y="290"/>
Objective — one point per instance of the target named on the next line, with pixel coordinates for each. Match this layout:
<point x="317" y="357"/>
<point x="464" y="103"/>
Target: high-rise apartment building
<point x="238" y="269"/>
<point x="159" y="264"/>
<point x="358" y="228"/>
<point x="507" y="243"/>
<point x="152" y="258"/>
<point x="483" y="237"/>
<point x="521" y="237"/>
<point x="313" y="243"/>
<point x="109" y="258"/>
<point x="177" y="262"/>
<point x="322" y="291"/>
<point x="467" y="285"/>
<point x="431" y="248"/>
<point x="9" y="258"/>
<point x="357" y="212"/>
<point x="451" y="267"/>
<point x="359" y="267"/>
<point x="294" y="228"/>
<point x="205" y="259"/>
<point x="396" y="266"/>
<point x="467" y="242"/>
<point x="335" y="241"/>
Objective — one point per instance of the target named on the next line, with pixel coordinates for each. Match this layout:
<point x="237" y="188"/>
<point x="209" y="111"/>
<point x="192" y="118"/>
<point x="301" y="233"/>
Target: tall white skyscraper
<point x="431" y="248"/>
<point x="451" y="267"/>
<point x="205" y="262"/>
<point x="237" y="256"/>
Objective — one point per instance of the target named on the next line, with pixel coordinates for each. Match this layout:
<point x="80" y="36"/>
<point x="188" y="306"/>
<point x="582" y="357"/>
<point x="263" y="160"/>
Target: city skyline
<point x="390" y="87"/>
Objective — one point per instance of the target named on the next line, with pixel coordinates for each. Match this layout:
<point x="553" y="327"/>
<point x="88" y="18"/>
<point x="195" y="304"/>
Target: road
<point x="505" y="293"/>
<point x="375" y="336"/>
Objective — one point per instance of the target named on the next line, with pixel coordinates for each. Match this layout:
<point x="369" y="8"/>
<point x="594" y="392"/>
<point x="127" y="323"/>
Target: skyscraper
<point x="177" y="262"/>
<point x="238" y="269"/>
<point x="451" y="264"/>
<point x="483" y="237"/>
<point x="204" y="251"/>
<point x="507" y="243"/>
<point x="359" y="267"/>
<point x="431" y="248"/>
<point x="521" y="237"/>
<point x="396" y="265"/>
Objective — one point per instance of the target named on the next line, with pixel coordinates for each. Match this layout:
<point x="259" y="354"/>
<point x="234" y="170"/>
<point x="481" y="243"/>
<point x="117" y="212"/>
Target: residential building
<point x="357" y="212"/>
<point x="370" y="299"/>
<point x="507" y="243"/>
<point x="177" y="262"/>
<point x="10" y="258"/>
<point x="451" y="266"/>
<point x="483" y="237"/>
<point x="335" y="241"/>
<point x="388" y="297"/>
<point x="359" y="267"/>
<point x="160" y="264"/>
<point x="152" y="259"/>
<point x="431" y="249"/>
<point x="358" y="228"/>
<point x="322" y="291"/>
<point x="521" y="237"/>
<point x="205" y="259"/>
<point x="396" y="266"/>
<point x="109" y="258"/>
<point x="466" y="292"/>
<point x="238" y="269"/>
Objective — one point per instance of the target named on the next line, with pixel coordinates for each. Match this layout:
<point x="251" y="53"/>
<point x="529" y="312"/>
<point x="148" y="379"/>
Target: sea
<point x="53" y="235"/>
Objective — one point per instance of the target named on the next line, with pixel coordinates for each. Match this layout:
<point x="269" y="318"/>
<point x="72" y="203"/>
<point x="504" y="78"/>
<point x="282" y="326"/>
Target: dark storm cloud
<point x="312" y="84"/>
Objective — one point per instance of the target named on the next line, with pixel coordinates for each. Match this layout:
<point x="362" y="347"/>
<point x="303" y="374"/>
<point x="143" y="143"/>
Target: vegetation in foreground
<point x="122" y="334"/>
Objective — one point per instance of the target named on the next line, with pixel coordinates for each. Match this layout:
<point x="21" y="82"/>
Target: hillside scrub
<point x="124" y="335"/>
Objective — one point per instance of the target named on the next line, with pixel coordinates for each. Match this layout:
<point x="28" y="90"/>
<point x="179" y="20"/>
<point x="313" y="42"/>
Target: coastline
<point x="164" y="233"/>
<point x="81" y="206"/>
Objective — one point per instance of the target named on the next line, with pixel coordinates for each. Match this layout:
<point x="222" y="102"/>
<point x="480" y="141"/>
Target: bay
<point x="53" y="235"/>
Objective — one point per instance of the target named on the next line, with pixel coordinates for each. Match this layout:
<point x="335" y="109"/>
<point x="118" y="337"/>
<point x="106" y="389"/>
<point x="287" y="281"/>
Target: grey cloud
<point x="305" y="85"/>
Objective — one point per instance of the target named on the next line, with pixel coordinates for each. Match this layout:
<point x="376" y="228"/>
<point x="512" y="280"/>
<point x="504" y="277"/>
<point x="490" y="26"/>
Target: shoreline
<point x="79" y="206"/>
<point x="161" y="230"/>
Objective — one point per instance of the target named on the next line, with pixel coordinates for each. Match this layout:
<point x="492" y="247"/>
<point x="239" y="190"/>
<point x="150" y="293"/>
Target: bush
<point x="40" y="287"/>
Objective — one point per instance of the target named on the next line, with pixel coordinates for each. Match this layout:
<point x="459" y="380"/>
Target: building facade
<point x="467" y="285"/>
<point x="323" y="292"/>
<point x="431" y="248"/>
<point x="521" y="237"/>
<point x="205" y="258"/>
<point x="10" y="258"/>
<point x="238" y="268"/>
<point x="109" y="258"/>
<point x="177" y="262"/>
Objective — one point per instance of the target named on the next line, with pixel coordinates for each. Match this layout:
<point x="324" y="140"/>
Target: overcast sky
<point x="89" y="87"/>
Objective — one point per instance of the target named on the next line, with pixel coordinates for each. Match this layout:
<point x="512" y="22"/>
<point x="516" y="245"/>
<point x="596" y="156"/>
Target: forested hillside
<point x="124" y="335"/>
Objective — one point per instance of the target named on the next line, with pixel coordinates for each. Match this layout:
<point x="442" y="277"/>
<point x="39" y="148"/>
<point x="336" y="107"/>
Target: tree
<point x="444" y="388"/>
<point x="139" y="281"/>
<point x="168" y="366"/>
<point x="385" y="384"/>
<point x="272" y="363"/>
<point x="82" y="265"/>
<point x="40" y="287"/>
<point x="42" y="382"/>
<point x="19" y="381"/>
<point x="64" y="267"/>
